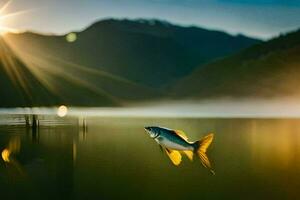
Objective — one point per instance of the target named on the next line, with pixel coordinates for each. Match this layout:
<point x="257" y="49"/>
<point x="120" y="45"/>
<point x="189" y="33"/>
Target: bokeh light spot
<point x="71" y="37"/>
<point x="5" y="155"/>
<point x="62" y="111"/>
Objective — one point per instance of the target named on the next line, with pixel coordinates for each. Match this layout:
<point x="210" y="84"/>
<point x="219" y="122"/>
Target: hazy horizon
<point x="218" y="108"/>
<point x="260" y="19"/>
<point x="148" y="19"/>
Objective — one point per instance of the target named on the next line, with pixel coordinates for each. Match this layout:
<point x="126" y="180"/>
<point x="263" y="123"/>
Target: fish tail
<point x="200" y="148"/>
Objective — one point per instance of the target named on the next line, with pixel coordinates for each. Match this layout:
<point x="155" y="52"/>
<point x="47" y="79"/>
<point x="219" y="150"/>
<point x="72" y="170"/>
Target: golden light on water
<point x="62" y="111"/>
<point x="71" y="37"/>
<point x="74" y="151"/>
<point x="274" y="143"/>
<point x="5" y="155"/>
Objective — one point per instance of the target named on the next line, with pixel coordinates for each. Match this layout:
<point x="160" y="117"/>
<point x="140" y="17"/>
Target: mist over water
<point x="247" y="108"/>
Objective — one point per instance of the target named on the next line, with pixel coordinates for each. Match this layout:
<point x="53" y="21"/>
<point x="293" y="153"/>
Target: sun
<point x="4" y="15"/>
<point x="4" y="29"/>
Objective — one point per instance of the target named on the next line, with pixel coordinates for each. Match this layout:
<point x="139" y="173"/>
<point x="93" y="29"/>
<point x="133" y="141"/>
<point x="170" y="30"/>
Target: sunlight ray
<point x="8" y="29"/>
<point x="3" y="8"/>
<point x="46" y="72"/>
<point x="15" y="14"/>
<point x="41" y="63"/>
<point x="11" y="66"/>
<point x="73" y="66"/>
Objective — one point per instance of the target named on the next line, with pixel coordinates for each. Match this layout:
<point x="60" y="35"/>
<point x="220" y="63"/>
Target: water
<point x="113" y="158"/>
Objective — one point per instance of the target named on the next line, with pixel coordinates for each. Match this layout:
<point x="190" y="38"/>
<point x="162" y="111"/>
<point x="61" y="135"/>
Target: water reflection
<point x="13" y="147"/>
<point x="83" y="128"/>
<point x="5" y="155"/>
<point x="277" y="141"/>
<point x="92" y="158"/>
<point x="82" y="136"/>
<point x="43" y="166"/>
<point x="9" y="155"/>
<point x="74" y="151"/>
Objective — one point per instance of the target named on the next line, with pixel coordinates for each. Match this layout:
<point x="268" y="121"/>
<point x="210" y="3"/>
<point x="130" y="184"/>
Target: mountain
<point x="110" y="63"/>
<point x="152" y="53"/>
<point x="28" y="81"/>
<point x="268" y="69"/>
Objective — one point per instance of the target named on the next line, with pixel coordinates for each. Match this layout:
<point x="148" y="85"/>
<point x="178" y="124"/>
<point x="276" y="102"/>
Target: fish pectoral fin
<point x="174" y="156"/>
<point x="189" y="154"/>
<point x="181" y="134"/>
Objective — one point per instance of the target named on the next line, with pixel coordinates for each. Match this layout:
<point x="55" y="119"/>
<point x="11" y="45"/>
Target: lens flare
<point x="5" y="155"/>
<point x="3" y="27"/>
<point x="62" y="111"/>
<point x="71" y="37"/>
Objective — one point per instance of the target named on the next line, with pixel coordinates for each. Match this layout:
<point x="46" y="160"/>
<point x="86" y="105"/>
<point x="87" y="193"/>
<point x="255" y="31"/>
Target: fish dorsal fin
<point x="181" y="134"/>
<point x="174" y="156"/>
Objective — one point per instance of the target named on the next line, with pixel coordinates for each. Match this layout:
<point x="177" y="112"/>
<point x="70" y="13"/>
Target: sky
<point x="257" y="18"/>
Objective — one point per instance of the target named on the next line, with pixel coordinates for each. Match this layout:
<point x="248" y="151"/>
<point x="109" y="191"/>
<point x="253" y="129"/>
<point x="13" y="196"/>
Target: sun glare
<point x="4" y="15"/>
<point x="4" y="29"/>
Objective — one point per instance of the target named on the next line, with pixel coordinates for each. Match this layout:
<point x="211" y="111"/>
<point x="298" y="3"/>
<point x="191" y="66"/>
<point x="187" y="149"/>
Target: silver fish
<point x="176" y="142"/>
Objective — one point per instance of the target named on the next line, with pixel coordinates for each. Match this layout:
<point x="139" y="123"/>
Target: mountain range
<point x="268" y="69"/>
<point x="149" y="52"/>
<point x="116" y="62"/>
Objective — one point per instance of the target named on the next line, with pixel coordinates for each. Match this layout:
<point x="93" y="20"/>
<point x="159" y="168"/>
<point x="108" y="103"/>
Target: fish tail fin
<point x="200" y="148"/>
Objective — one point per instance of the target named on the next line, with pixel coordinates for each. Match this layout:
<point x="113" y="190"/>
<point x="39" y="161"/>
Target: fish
<point x="175" y="142"/>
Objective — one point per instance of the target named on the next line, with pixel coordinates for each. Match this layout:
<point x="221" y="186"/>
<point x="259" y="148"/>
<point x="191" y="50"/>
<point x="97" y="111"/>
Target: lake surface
<point x="113" y="158"/>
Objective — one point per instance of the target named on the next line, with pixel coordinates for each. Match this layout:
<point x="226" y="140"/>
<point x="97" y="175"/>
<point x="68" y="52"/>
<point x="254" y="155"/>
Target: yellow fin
<point x="181" y="134"/>
<point x="205" y="162"/>
<point x="205" y="142"/>
<point x="204" y="159"/>
<point x="174" y="156"/>
<point x="189" y="154"/>
<point x="201" y="147"/>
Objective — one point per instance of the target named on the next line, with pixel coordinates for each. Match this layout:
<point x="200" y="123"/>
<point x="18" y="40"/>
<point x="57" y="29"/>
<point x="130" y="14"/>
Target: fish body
<point x="176" y="142"/>
<point x="170" y="139"/>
